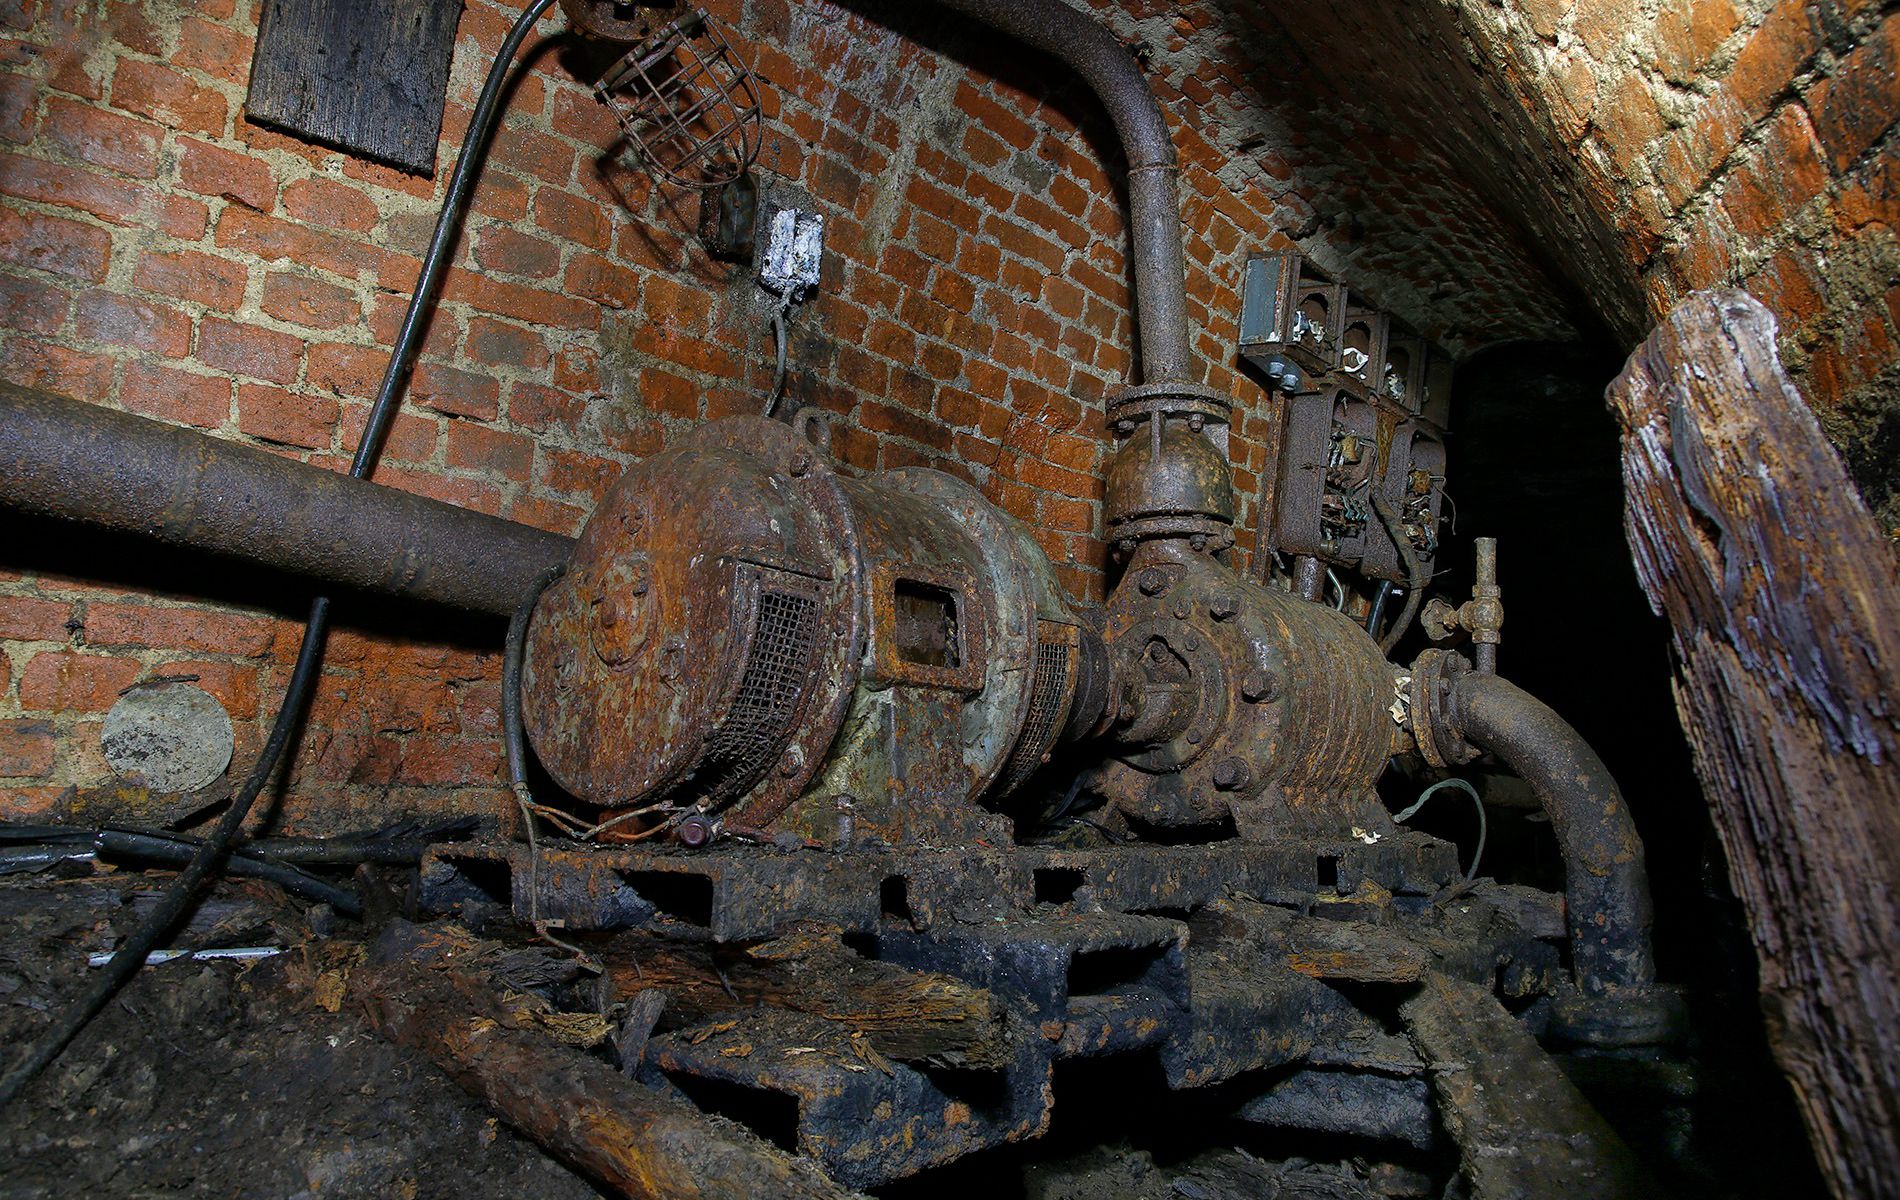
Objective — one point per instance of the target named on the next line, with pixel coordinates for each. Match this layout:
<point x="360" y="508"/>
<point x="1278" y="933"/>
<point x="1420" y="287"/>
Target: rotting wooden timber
<point x="1524" y="1131"/>
<point x="628" y="1138"/>
<point x="1780" y="592"/>
<point x="907" y="1015"/>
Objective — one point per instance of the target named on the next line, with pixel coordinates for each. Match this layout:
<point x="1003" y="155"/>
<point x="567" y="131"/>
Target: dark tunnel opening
<point x="1537" y="465"/>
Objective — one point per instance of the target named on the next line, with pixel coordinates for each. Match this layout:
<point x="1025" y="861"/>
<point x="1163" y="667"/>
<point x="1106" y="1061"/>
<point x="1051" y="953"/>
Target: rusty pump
<point x="777" y="691"/>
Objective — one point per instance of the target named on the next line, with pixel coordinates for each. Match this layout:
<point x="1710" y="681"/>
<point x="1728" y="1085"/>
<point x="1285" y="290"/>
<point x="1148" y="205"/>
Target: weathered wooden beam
<point x="628" y="1138"/>
<point x="1780" y="592"/>
<point x="910" y="1016"/>
<point x="1524" y="1131"/>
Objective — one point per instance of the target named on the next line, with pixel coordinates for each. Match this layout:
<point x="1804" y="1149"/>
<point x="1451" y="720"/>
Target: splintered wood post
<point x="1524" y="1131"/>
<point x="1780" y="592"/>
<point x="631" y="1139"/>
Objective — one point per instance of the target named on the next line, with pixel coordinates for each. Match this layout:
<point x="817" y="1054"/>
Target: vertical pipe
<point x="1309" y="576"/>
<point x="1082" y="43"/>
<point x="1485" y="593"/>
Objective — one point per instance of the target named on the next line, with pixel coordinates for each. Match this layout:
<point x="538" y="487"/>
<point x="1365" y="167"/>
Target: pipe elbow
<point x="1606" y="883"/>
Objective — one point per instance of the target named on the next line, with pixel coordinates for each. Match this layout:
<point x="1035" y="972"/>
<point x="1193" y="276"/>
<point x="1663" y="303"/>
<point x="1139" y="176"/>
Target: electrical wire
<point x="1377" y="613"/>
<point x="210" y="853"/>
<point x="1465" y="786"/>
<point x="515" y="742"/>
<point x="176" y="849"/>
<point x="172" y="905"/>
<point x="1414" y="572"/>
<point x="781" y="337"/>
<point x="1338" y="587"/>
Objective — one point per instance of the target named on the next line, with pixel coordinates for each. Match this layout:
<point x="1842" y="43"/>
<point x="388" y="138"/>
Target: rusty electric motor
<point x="747" y="635"/>
<point x="748" y="639"/>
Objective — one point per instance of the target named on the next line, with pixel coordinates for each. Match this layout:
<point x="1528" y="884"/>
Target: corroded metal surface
<point x="1607" y="887"/>
<point x="63" y="458"/>
<point x="1273" y="712"/>
<point x="747" y="637"/>
<point x="1223" y="962"/>
<point x="865" y="1119"/>
<point x="705" y="638"/>
<point x="733" y="891"/>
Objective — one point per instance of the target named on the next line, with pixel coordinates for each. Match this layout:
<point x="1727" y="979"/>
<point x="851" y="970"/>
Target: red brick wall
<point x="162" y="255"/>
<point x="1740" y="142"/>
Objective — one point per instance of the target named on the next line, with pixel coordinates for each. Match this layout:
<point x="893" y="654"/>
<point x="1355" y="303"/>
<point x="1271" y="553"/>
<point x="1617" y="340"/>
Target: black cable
<point x="1377" y="615"/>
<point x="1414" y="572"/>
<point x="173" y="849"/>
<point x="447" y="227"/>
<point x="131" y="955"/>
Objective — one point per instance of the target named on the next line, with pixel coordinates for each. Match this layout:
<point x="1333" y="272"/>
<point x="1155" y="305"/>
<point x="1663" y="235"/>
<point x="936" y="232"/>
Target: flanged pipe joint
<point x="1170" y="478"/>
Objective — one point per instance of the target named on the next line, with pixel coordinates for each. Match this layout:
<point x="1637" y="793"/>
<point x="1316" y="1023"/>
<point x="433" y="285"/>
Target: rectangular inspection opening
<point x="1058" y="885"/>
<point x="1326" y="873"/>
<point x="1109" y="972"/>
<point x="926" y="617"/>
<point x="681" y="895"/>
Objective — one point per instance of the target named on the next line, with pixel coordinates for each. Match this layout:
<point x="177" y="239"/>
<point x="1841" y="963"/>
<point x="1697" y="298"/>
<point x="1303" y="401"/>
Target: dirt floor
<point x="225" y="1079"/>
<point x="263" y="1079"/>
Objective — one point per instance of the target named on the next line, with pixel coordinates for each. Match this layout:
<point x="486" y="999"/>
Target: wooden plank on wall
<point x="367" y="76"/>
<point x="1780" y="592"/>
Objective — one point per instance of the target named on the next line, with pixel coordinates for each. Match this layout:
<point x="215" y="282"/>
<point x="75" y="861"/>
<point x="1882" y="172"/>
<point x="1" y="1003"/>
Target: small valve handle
<point x="1481" y="617"/>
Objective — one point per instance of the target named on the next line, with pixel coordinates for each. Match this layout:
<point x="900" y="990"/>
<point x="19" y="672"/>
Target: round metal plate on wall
<point x="174" y="736"/>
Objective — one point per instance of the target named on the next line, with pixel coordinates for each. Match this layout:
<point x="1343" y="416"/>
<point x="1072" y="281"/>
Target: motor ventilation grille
<point x="780" y="655"/>
<point x="1048" y="694"/>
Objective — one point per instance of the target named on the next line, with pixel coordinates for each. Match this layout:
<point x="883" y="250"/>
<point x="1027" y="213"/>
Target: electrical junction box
<point x="794" y="249"/>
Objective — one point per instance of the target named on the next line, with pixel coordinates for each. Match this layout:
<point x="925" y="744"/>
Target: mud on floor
<point x="226" y="1079"/>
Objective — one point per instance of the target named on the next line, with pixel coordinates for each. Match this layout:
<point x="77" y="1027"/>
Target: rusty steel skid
<point x="1225" y="962"/>
<point x="734" y="892"/>
<point x="865" y="1119"/>
<point x="745" y="632"/>
<point x="80" y="462"/>
<point x="1241" y="702"/>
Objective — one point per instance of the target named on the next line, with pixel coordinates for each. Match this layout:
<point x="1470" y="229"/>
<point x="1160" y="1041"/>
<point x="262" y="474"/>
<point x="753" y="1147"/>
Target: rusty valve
<point x="1482" y="616"/>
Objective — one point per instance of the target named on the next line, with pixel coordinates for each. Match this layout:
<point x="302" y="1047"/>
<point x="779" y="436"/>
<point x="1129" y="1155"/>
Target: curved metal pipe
<point x="64" y="458"/>
<point x="1606" y="886"/>
<point x="1154" y="217"/>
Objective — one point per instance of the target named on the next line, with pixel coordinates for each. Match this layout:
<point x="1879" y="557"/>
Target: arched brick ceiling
<point x="1417" y="179"/>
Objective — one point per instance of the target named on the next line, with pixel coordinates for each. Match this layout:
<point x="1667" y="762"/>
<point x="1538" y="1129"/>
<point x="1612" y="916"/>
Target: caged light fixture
<point x="688" y="104"/>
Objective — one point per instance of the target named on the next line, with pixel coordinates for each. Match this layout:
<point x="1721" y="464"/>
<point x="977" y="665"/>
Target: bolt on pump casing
<point x="746" y="633"/>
